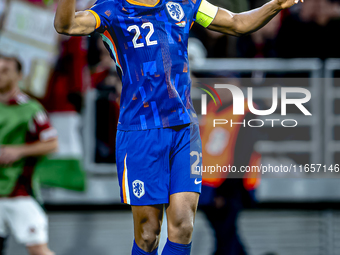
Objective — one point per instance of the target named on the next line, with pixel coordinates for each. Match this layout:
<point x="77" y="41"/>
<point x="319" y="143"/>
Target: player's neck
<point x="7" y="94"/>
<point x="148" y="2"/>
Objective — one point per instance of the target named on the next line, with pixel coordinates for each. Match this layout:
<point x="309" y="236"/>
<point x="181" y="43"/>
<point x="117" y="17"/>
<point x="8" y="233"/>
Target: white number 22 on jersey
<point x="147" y="38"/>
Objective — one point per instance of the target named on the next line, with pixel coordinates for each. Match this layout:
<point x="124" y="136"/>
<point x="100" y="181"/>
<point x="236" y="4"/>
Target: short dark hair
<point x="15" y="59"/>
<point x="18" y="63"/>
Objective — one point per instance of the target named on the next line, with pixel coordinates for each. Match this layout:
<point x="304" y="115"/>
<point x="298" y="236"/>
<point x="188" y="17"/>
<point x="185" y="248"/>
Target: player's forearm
<point x="253" y="20"/>
<point x="39" y="148"/>
<point x="65" y="16"/>
<point x="250" y="21"/>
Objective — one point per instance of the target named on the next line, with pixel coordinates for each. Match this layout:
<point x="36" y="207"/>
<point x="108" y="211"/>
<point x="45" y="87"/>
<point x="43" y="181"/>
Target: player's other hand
<point x="284" y="4"/>
<point x="9" y="155"/>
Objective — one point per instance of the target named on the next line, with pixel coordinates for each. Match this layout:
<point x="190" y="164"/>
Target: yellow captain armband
<point x="96" y="17"/>
<point x="206" y="13"/>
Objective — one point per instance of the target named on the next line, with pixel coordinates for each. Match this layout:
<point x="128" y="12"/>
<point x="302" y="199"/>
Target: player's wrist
<point x="276" y="5"/>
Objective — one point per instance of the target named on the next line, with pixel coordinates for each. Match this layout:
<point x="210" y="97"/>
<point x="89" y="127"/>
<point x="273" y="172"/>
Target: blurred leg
<point x="40" y="249"/>
<point x="209" y="212"/>
<point x="29" y="224"/>
<point x="2" y="245"/>
<point x="3" y="228"/>
<point x="224" y="223"/>
<point x="147" y="226"/>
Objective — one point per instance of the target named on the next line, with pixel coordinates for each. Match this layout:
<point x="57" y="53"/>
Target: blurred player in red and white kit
<point x="25" y="134"/>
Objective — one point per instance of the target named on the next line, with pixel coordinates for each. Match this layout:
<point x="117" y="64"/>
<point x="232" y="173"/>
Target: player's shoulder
<point x="107" y="7"/>
<point x="182" y="2"/>
<point x="178" y="6"/>
<point x="106" y="3"/>
<point x="29" y="102"/>
<point x="37" y="112"/>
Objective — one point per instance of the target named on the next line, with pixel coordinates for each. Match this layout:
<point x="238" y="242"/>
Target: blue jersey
<point x="149" y="46"/>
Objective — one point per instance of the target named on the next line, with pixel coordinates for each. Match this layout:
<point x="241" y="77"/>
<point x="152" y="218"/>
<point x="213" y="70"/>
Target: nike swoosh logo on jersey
<point x="197" y="182"/>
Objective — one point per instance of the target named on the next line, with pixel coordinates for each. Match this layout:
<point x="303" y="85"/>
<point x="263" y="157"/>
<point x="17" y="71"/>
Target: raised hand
<point x="284" y="4"/>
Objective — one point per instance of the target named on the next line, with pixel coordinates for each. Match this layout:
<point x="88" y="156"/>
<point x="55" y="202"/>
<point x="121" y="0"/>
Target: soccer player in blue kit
<point x="158" y="141"/>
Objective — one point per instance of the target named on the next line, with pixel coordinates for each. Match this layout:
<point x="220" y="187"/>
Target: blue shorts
<point x="154" y="164"/>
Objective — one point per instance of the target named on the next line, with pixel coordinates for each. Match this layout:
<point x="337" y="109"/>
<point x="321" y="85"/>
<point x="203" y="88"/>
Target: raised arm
<point x="247" y="22"/>
<point x="69" y="22"/>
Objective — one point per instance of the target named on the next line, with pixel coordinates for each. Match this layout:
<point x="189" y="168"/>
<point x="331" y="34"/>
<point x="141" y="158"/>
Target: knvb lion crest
<point x="175" y="10"/>
<point x="138" y="188"/>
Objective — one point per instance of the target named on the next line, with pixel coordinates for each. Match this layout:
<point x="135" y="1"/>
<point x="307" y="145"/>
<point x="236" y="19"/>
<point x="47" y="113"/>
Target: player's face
<point x="9" y="74"/>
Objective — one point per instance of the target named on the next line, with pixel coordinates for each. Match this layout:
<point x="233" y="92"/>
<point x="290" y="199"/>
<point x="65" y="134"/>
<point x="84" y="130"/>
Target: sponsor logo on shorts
<point x="138" y="188"/>
<point x="197" y="182"/>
